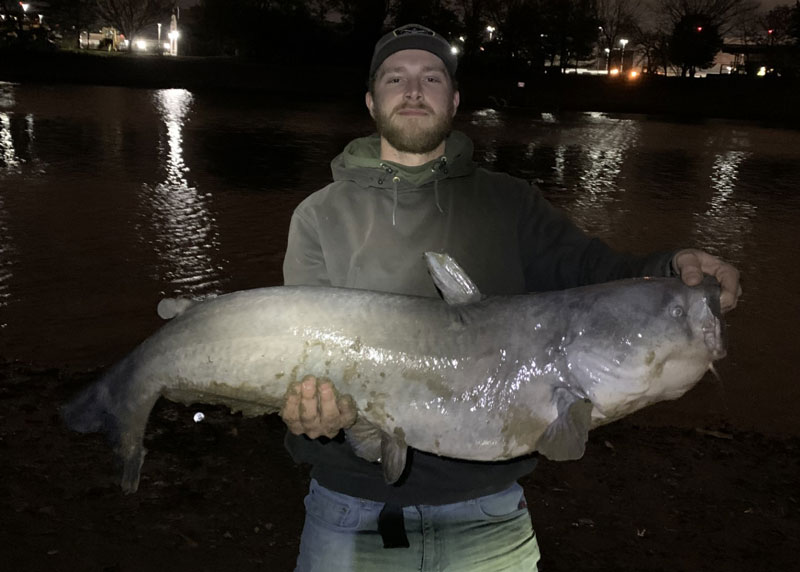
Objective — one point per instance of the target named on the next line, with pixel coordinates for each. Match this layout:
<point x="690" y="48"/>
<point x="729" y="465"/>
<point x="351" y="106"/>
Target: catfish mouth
<point x="714" y="331"/>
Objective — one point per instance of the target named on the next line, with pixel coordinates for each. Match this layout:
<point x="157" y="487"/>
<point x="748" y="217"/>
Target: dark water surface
<point x="111" y="198"/>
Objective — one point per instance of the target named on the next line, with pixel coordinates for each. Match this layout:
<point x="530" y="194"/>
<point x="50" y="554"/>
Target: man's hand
<point x="312" y="408"/>
<point x="691" y="264"/>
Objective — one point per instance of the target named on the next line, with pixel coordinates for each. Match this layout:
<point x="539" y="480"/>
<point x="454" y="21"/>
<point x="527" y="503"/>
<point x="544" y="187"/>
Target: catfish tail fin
<point x="88" y="412"/>
<point x="120" y="417"/>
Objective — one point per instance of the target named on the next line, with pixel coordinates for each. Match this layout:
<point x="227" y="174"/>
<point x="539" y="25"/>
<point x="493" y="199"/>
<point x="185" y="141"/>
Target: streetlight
<point x="491" y="30"/>
<point x="622" y="42"/>
<point x="173" y="42"/>
<point x="160" y="48"/>
<point x="173" y="35"/>
<point x="608" y="58"/>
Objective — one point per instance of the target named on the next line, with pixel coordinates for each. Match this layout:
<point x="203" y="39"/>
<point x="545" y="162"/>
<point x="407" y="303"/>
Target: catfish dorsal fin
<point x="168" y="308"/>
<point x="450" y="279"/>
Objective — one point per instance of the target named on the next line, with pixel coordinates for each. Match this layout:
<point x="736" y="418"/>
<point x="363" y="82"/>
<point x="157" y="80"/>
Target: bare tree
<point x="775" y="25"/>
<point x="724" y="14"/>
<point x="617" y="19"/>
<point x="131" y="16"/>
<point x="473" y="15"/>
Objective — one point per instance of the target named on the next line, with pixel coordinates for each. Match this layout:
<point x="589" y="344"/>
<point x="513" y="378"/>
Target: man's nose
<point x="413" y="89"/>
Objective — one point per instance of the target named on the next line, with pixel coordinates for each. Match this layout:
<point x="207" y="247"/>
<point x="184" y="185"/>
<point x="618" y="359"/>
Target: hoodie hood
<point x="360" y="163"/>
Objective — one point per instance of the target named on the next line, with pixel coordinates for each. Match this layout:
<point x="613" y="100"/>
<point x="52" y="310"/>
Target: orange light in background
<point x="633" y="75"/>
<point x="613" y="71"/>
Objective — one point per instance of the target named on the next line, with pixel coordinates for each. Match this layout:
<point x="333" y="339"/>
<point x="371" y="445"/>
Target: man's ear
<point x="456" y="101"/>
<point x="370" y="103"/>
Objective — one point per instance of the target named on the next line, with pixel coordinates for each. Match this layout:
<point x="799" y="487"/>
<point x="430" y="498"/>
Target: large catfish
<point x="469" y="377"/>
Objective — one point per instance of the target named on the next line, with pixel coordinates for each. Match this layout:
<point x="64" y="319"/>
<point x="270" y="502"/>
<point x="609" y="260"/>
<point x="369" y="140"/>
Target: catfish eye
<point x="677" y="311"/>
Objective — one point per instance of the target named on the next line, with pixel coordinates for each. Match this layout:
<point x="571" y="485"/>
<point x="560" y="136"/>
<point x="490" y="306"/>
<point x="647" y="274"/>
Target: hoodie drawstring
<point x="436" y="195"/>
<point x="395" y="180"/>
<point x="441" y="165"/>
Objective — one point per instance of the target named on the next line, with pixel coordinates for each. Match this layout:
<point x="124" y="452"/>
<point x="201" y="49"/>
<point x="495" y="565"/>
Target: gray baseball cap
<point x="413" y="37"/>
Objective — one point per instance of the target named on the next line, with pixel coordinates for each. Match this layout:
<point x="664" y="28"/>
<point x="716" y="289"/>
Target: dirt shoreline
<point x="772" y="100"/>
<point x="224" y="494"/>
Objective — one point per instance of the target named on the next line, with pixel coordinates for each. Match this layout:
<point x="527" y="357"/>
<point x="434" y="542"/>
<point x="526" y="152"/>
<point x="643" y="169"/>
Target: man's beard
<point x="408" y="135"/>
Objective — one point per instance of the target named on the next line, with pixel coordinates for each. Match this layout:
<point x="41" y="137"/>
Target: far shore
<point x="773" y="100"/>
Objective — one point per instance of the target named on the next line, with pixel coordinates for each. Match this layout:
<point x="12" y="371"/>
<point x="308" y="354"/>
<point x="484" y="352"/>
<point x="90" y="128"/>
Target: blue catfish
<point x="470" y="377"/>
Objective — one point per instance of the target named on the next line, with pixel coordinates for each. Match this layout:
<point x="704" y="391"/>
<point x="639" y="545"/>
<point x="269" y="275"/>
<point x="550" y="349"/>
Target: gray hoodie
<point x="369" y="228"/>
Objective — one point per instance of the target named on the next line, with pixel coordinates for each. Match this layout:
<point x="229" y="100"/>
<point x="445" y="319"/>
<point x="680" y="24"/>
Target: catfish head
<point x="649" y="340"/>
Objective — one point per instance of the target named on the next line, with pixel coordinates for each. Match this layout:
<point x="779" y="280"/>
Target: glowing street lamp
<point x="491" y="30"/>
<point x="173" y="35"/>
<point x="173" y="42"/>
<point x="623" y="42"/>
<point x="608" y="58"/>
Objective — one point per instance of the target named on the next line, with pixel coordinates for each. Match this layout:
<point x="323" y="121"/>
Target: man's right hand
<point x="313" y="409"/>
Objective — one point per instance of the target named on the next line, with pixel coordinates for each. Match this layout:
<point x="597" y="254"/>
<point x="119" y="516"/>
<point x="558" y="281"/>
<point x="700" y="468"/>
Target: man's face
<point x="413" y="101"/>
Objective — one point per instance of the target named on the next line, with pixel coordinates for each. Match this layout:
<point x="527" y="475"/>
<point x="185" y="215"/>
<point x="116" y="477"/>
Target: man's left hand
<point x="691" y="264"/>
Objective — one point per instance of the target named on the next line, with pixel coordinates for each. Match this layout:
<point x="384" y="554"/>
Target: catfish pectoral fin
<point x="393" y="457"/>
<point x="565" y="438"/>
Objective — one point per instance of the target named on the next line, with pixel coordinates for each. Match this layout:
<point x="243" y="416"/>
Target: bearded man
<point x="411" y="188"/>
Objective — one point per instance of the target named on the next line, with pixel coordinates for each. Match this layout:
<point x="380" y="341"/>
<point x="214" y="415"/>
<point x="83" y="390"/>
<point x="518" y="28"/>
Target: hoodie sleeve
<point x="304" y="263"/>
<point x="557" y="254"/>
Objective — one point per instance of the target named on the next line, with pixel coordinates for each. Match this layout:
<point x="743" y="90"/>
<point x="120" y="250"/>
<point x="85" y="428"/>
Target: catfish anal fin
<point x="365" y="439"/>
<point x="393" y="457"/>
<point x="374" y="445"/>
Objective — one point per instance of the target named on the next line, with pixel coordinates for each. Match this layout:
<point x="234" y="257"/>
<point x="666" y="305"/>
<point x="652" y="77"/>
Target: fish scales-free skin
<point x="488" y="380"/>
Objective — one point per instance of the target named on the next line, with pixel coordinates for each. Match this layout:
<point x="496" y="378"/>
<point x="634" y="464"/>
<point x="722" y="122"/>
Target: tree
<point x="694" y="43"/>
<point x="725" y="15"/>
<point x="436" y="14"/>
<point x="779" y="45"/>
<point x="474" y="21"/>
<point x="654" y="47"/>
<point x="794" y="24"/>
<point x="775" y="25"/>
<point x="544" y="32"/>
<point x="618" y="19"/>
<point x="71" y="16"/>
<point x="131" y="16"/>
<point x="717" y="18"/>
<point x="571" y="29"/>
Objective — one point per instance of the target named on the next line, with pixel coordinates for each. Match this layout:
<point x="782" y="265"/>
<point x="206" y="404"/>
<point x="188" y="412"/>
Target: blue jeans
<point x="491" y="533"/>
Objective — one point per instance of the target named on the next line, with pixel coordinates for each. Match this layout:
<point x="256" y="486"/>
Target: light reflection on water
<point x="183" y="231"/>
<point x="8" y="154"/>
<point x="6" y="259"/>
<point x="107" y="207"/>
<point x="9" y="163"/>
<point x="728" y="217"/>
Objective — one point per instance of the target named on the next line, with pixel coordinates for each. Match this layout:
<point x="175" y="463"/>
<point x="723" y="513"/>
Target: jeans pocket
<point x="333" y="509"/>
<point x="504" y="505"/>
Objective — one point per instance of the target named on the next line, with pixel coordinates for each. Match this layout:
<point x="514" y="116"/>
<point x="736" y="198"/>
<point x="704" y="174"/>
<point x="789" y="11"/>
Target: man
<point x="409" y="189"/>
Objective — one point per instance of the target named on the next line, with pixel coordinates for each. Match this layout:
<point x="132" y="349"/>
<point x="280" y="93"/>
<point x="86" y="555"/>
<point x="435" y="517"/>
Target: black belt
<point x="392" y="527"/>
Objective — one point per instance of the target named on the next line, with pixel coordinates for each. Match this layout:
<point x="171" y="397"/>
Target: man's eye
<point x="393" y="80"/>
<point x="434" y="79"/>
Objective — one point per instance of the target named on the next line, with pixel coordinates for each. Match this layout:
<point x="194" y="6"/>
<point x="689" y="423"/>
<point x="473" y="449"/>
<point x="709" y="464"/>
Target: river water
<point x="112" y="198"/>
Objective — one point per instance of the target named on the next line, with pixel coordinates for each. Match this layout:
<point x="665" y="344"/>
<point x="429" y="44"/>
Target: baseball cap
<point x="413" y="37"/>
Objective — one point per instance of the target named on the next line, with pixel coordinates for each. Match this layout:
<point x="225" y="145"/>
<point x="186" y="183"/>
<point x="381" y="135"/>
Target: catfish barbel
<point x="470" y="377"/>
